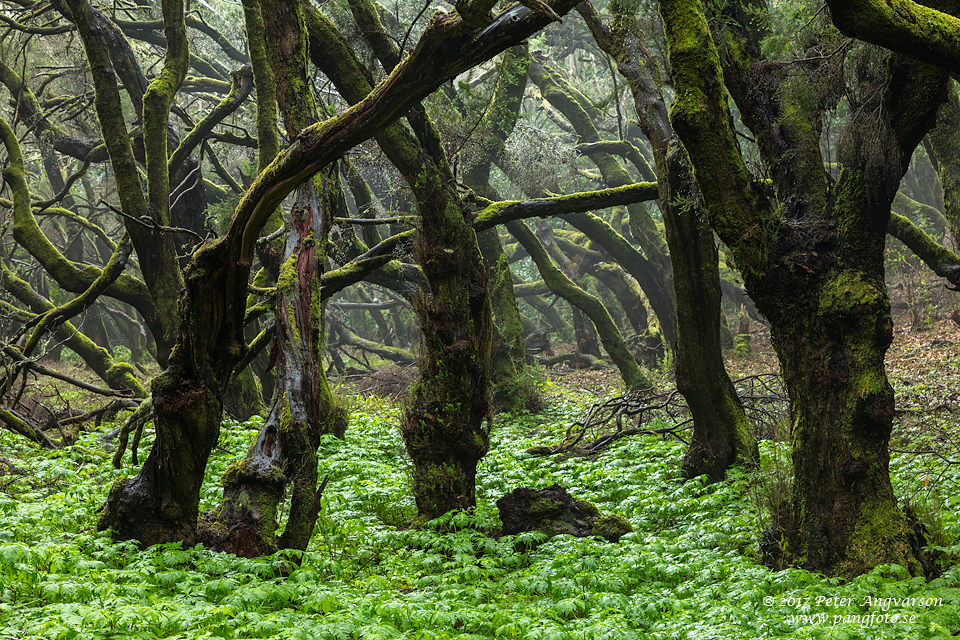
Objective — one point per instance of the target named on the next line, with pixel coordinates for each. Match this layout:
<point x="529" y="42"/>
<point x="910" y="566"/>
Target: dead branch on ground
<point x="640" y="413"/>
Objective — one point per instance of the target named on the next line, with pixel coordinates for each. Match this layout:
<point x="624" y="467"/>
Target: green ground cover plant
<point x="689" y="570"/>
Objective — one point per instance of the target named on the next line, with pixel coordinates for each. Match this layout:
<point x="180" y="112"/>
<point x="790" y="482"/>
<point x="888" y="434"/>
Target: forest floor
<point x="690" y="569"/>
<point x="923" y="365"/>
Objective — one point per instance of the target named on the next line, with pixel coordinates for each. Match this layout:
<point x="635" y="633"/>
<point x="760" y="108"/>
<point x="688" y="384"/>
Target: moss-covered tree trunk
<point x="845" y="515"/>
<point x="156" y="249"/>
<point x="508" y="353"/>
<point x="118" y="375"/>
<point x="944" y="140"/>
<point x="625" y="290"/>
<point x="68" y="274"/>
<point x="814" y="266"/>
<point x="446" y="424"/>
<point x="303" y="409"/>
<point x="585" y="339"/>
<point x="245" y="396"/>
<point x="573" y="105"/>
<point x="722" y="435"/>
<point x="161" y="503"/>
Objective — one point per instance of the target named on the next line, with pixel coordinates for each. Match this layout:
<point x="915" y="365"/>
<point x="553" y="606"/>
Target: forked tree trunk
<point x="284" y="454"/>
<point x="814" y="266"/>
<point x="561" y="285"/>
<point x="621" y="289"/>
<point x="303" y="409"/>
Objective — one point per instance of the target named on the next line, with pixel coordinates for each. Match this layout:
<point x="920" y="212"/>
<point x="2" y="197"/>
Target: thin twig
<point x="150" y="223"/>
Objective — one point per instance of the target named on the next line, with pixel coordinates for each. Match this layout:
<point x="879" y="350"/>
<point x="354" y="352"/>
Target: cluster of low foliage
<point x="689" y="569"/>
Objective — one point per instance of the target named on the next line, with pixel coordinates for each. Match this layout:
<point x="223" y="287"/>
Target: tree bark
<point x="303" y="409"/>
<point x="815" y="270"/>
<point x="944" y="140"/>
<point x="155" y="248"/>
<point x="161" y="503"/>
<point x="117" y="375"/>
<point x="722" y="435"/>
<point x="895" y="24"/>
<point x="624" y="288"/>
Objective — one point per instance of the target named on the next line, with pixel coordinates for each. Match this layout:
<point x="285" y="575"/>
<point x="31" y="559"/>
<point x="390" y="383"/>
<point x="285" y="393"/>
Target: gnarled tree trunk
<point x="814" y="266"/>
<point x="303" y="409"/>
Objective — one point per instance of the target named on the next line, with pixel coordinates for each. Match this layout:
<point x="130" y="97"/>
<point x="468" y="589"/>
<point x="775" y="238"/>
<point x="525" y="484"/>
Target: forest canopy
<point x="224" y="210"/>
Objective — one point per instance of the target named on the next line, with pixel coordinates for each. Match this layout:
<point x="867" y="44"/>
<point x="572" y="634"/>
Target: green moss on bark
<point x="611" y="527"/>
<point x="880" y="536"/>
